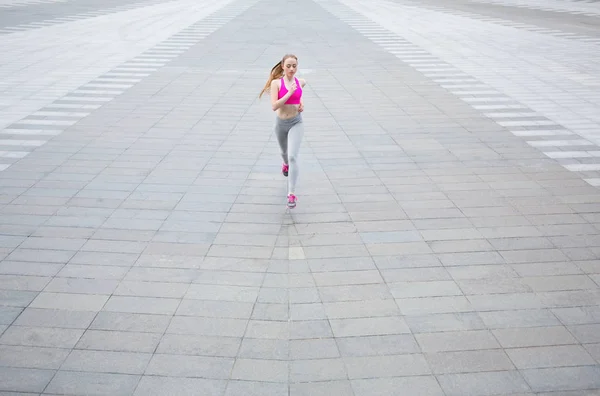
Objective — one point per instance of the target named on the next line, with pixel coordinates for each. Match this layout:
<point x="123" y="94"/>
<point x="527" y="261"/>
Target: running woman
<point x="286" y="101"/>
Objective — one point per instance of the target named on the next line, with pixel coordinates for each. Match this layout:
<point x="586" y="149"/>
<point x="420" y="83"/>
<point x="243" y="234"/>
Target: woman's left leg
<point x="294" y="141"/>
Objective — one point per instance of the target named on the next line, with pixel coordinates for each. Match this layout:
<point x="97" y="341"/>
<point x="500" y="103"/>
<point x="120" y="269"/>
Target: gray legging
<point x="289" y="134"/>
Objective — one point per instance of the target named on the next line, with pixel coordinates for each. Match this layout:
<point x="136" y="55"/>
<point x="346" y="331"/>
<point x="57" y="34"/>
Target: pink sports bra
<point x="295" y="97"/>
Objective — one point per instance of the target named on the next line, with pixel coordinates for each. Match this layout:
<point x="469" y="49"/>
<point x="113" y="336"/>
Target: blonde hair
<point x="276" y="73"/>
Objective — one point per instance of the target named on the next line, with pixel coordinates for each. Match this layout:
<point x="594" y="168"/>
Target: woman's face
<point x="290" y="66"/>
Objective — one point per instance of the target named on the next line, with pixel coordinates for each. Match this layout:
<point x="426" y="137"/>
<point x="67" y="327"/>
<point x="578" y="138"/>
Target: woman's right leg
<point x="281" y="132"/>
<point x="294" y="141"/>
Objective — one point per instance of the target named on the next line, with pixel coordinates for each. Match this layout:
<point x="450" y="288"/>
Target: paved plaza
<point x="446" y="240"/>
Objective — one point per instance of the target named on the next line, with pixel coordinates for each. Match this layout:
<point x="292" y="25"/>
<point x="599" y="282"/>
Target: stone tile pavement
<point x="437" y="247"/>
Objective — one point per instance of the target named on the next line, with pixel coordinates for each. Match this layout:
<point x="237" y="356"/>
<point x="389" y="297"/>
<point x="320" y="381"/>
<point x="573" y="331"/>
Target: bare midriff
<point x="288" y="111"/>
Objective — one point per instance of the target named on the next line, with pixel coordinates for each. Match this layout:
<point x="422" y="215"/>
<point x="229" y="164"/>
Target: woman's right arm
<point x="275" y="103"/>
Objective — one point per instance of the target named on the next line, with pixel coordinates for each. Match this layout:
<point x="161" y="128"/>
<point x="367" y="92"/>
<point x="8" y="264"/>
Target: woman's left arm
<point x="302" y="84"/>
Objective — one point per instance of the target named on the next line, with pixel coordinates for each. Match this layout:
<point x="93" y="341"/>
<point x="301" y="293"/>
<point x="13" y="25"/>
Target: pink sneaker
<point x="284" y="169"/>
<point x="291" y="203"/>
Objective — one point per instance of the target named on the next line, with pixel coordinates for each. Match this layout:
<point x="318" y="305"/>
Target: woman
<point x="286" y="101"/>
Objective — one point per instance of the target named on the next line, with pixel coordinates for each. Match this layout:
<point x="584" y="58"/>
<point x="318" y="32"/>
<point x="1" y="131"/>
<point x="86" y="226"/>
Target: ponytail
<point x="276" y="73"/>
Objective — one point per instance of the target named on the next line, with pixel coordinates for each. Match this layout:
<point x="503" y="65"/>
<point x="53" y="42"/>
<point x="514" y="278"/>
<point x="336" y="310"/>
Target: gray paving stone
<point x="254" y="388"/>
<point x="519" y="318"/>
<point x="34" y="317"/>
<point x="469" y="361"/>
<point x="316" y="370"/>
<point x="578" y="315"/>
<point x="66" y="301"/>
<point x="146" y="305"/>
<point x="552" y="356"/>
<point x="260" y="370"/>
<point x="456" y="341"/>
<point x="189" y="366"/>
<point x="490" y="383"/>
<point x="562" y="379"/>
<point x="337" y="387"/>
<point x="355" y="327"/>
<point x="377" y="345"/>
<point x="32" y="357"/>
<point x="106" y="362"/>
<point x="386" y="366"/>
<point x="534" y="336"/>
<point x="422" y="385"/>
<point x="40" y="336"/>
<point x="444" y="322"/>
<point x="151" y="385"/>
<point x="434" y="305"/>
<point x="24" y="379"/>
<point x="267" y="349"/>
<point x="324" y="348"/>
<point x="586" y="334"/>
<point x="8" y="314"/>
<point x="118" y="321"/>
<point x="118" y="341"/>
<point x="65" y="382"/>
<point x="225" y="327"/>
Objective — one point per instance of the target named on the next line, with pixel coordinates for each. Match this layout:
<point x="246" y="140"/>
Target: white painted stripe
<point x="498" y="107"/>
<point x="383" y="41"/>
<point x="73" y="106"/>
<point x="168" y="45"/>
<point x="414" y="52"/>
<point x="430" y="69"/>
<point x="512" y="115"/>
<point x="60" y="114"/>
<point x="163" y="52"/>
<point x="157" y="57"/>
<point x="542" y="132"/>
<point x="96" y="92"/>
<point x="153" y="58"/>
<point x="413" y="61"/>
<point x="483" y="92"/>
<point x="583" y="167"/>
<point x="488" y="99"/>
<point x="25" y="132"/>
<point x="168" y="50"/>
<point x="142" y="64"/>
<point x="127" y="74"/>
<point x="594" y="182"/>
<point x="109" y="85"/>
<point x="568" y="154"/>
<point x="131" y="80"/>
<point x="426" y="64"/>
<point x="86" y="99"/>
<point x="46" y="122"/>
<point x="558" y="143"/>
<point x="26" y="143"/>
<point x="525" y="123"/>
<point x="136" y="69"/>
<point x="4" y="166"/>
<point x="456" y="80"/>
<point x="463" y="86"/>
<point x="13" y="154"/>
